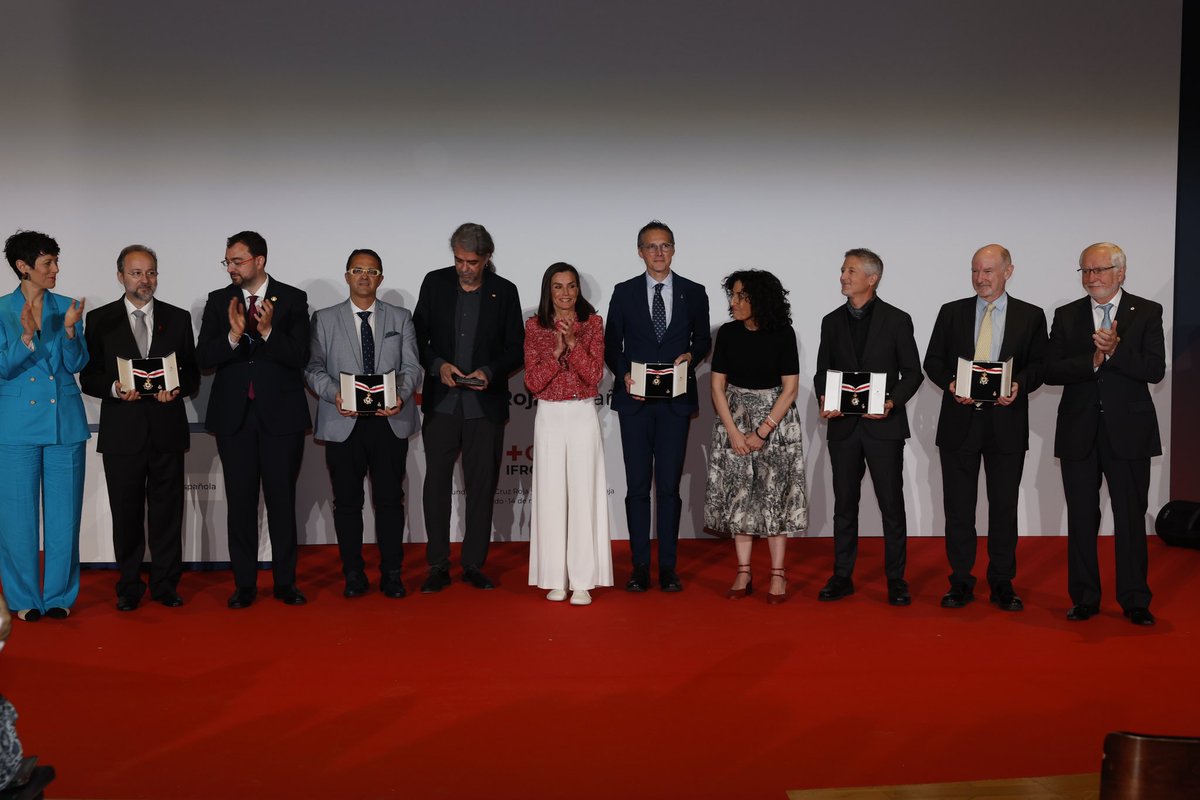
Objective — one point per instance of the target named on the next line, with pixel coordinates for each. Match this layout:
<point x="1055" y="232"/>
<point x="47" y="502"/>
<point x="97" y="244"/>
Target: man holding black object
<point x="991" y="326"/>
<point x="1105" y="350"/>
<point x="471" y="336"/>
<point x="143" y="435"/>
<point x="369" y="340"/>
<point x="656" y="318"/>
<point x="868" y="335"/>
<point x="255" y="335"/>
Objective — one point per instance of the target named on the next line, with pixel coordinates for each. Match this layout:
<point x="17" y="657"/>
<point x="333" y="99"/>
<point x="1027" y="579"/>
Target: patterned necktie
<point x="983" y="345"/>
<point x="368" y="344"/>
<point x="1106" y="323"/>
<point x="141" y="334"/>
<point x="658" y="313"/>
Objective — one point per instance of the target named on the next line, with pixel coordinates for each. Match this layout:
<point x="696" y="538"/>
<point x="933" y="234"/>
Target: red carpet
<point x="469" y="694"/>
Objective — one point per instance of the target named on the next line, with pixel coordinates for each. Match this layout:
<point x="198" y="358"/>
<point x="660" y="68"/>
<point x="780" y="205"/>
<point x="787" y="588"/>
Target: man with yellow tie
<point x="991" y="326"/>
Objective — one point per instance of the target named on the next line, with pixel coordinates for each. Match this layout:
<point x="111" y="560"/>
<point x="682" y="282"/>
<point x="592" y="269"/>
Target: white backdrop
<point x="771" y="135"/>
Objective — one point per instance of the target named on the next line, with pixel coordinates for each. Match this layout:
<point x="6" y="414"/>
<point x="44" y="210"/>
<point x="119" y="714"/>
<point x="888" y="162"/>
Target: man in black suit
<point x="1105" y="349"/>
<point x="868" y="335"/>
<point x="471" y="336"/>
<point x="990" y="326"/>
<point x="142" y="439"/>
<point x="255" y="335"/>
<point x="657" y="317"/>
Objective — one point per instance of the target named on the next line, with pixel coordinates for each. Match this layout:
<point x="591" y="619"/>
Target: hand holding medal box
<point x="658" y="380"/>
<point x="855" y="392"/>
<point x="366" y="394"/>
<point x="983" y="381"/>
<point x="148" y="376"/>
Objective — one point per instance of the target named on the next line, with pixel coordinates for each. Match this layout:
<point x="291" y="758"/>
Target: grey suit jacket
<point x="337" y="347"/>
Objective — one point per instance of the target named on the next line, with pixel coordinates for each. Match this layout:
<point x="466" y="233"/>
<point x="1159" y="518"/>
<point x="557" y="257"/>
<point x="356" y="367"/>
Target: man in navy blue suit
<point x="657" y="317"/>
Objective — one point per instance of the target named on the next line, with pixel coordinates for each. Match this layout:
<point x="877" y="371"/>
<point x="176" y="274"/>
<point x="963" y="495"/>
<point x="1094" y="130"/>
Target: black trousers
<point x="481" y="443"/>
<point x="371" y="448"/>
<point x="1128" y="490"/>
<point x="849" y="459"/>
<point x="250" y="459"/>
<point x="145" y="494"/>
<point x="960" y="489"/>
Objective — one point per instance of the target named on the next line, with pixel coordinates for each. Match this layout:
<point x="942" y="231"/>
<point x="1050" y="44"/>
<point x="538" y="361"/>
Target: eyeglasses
<point x="236" y="262"/>
<point x="657" y="248"/>
<point x="1089" y="271"/>
<point x="137" y="274"/>
<point x="373" y="273"/>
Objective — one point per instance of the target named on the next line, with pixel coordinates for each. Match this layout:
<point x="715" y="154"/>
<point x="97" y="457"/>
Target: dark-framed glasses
<point x="1088" y="271"/>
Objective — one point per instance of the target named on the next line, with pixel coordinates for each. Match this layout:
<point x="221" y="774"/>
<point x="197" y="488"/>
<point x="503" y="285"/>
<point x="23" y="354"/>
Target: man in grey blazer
<point x="365" y="336"/>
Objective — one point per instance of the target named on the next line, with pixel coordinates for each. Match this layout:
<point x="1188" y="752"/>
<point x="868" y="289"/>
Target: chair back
<point x="1146" y="767"/>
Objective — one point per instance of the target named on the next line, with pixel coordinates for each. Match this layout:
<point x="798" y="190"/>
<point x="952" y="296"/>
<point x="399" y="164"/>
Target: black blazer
<point x="127" y="427"/>
<point x="890" y="348"/>
<point x="1024" y="342"/>
<point x="629" y="336"/>
<point x="276" y="366"/>
<point x="1121" y="384"/>
<point x="499" y="337"/>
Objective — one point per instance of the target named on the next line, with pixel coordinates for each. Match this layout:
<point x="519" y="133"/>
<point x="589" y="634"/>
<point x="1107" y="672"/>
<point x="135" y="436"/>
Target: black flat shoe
<point x="29" y="615"/>
<point x="391" y="585"/>
<point x="169" y="599"/>
<point x="356" y="585"/>
<point x="242" y="598"/>
<point x="668" y="581"/>
<point x="1138" y="616"/>
<point x="898" y="594"/>
<point x="640" y="581"/>
<point x="957" y="597"/>
<point x="477" y="579"/>
<point x="127" y="603"/>
<point x="835" y="589"/>
<point x="1081" y="612"/>
<point x="437" y="580"/>
<point x="1006" y="600"/>
<point x="290" y="595"/>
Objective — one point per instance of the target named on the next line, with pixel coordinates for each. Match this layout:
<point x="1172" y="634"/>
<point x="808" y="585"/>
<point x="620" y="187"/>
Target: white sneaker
<point x="580" y="597"/>
<point x="557" y="595"/>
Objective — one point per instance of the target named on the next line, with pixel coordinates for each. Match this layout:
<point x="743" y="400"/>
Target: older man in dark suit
<point x="989" y="326"/>
<point x="471" y="336"/>
<point x="657" y="317"/>
<point x="1105" y="350"/>
<point x="868" y="335"/>
<point x="142" y="439"/>
<point x="255" y="335"/>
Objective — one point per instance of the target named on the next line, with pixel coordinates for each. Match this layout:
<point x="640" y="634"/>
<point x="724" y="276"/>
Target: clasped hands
<point x="237" y="318"/>
<point x="1106" y="342"/>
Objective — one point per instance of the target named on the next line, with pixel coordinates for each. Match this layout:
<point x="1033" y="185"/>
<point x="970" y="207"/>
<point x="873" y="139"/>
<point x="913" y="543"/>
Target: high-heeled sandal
<point x="737" y="594"/>
<point x="776" y="599"/>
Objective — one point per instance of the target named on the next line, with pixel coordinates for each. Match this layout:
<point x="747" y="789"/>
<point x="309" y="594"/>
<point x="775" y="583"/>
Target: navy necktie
<point x="368" y="344"/>
<point x="658" y="313"/>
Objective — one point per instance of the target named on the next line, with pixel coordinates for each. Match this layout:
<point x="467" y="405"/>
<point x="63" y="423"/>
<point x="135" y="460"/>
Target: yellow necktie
<point x="983" y="345"/>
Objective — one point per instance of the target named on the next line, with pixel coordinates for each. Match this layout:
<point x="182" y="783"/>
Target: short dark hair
<point x="768" y="299"/>
<point x="545" y="314"/>
<point x="474" y="238"/>
<point x="135" y="248"/>
<point x="873" y="262"/>
<point x="27" y="246"/>
<point x="253" y="240"/>
<point x="364" y="251"/>
<point x="654" y="225"/>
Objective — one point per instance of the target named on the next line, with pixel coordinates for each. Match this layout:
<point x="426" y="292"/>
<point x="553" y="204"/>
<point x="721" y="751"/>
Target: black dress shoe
<point x="127" y="603"/>
<point x="242" y="597"/>
<point x="477" y="579"/>
<point x="668" y="581"/>
<point x="391" y="585"/>
<point x="170" y="599"/>
<point x="356" y="585"/>
<point x="28" y="615"/>
<point x="437" y="580"/>
<point x="1138" y="616"/>
<point x="836" y="588"/>
<point x="958" y="597"/>
<point x="1081" y="612"/>
<point x="898" y="594"/>
<point x="290" y="595"/>
<point x="58" y="612"/>
<point x="640" y="581"/>
<point x="1005" y="598"/>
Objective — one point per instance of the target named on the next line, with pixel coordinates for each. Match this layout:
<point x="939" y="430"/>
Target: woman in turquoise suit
<point x="42" y="432"/>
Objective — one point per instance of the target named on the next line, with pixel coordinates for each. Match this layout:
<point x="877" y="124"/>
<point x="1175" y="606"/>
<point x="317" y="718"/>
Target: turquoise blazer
<point x="40" y="403"/>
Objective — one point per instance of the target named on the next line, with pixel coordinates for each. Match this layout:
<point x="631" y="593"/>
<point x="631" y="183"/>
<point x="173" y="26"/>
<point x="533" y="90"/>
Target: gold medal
<point x="367" y="400"/>
<point x="854" y="401"/>
<point x="983" y="379"/>
<point x="657" y="381"/>
<point x="148" y="385"/>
